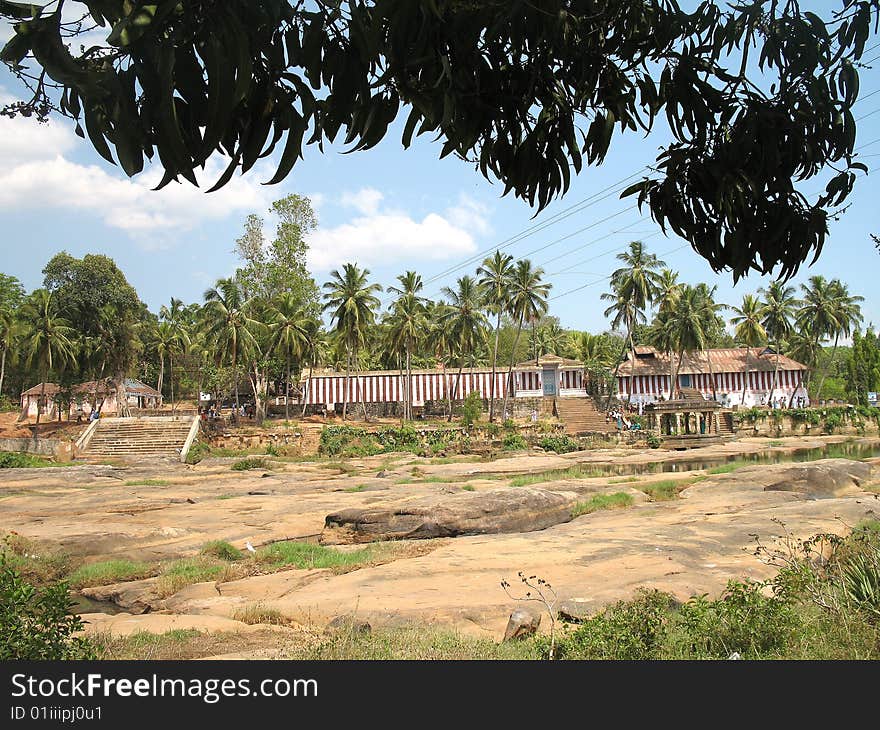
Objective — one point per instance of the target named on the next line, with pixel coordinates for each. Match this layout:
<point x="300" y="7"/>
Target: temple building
<point x="735" y="376"/>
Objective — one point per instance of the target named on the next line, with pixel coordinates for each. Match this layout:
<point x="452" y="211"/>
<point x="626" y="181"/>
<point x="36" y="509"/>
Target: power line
<point x="562" y="215"/>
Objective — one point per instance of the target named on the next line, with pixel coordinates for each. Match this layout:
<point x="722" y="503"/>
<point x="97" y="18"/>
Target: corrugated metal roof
<point x="723" y="360"/>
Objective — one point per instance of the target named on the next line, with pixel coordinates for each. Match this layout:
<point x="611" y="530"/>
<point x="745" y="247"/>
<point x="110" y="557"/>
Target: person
<point x="94" y="415"/>
<point x="534" y="416"/>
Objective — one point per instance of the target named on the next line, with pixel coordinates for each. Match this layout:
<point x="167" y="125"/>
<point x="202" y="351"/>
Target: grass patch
<point x="617" y="500"/>
<point x="623" y="480"/>
<point x="358" y="488"/>
<point x="109" y="571"/>
<point x="414" y="643"/>
<point x="578" y="471"/>
<point x="147" y="483"/>
<point x="221" y="550"/>
<point x="468" y="488"/>
<point x="227" y="496"/>
<point x="665" y="490"/>
<point x="181" y="573"/>
<point x="16" y="460"/>
<point x="775" y="443"/>
<point x="306" y="555"/>
<point x="729" y="467"/>
<point x="253" y="463"/>
<point x="36" y="563"/>
<point x="257" y="613"/>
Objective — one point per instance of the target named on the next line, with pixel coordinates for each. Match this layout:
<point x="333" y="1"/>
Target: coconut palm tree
<point x="633" y="287"/>
<point x="668" y="290"/>
<point x="175" y="317"/>
<point x="549" y="339"/>
<point x="846" y="314"/>
<point x="528" y="303"/>
<point x="163" y="341"/>
<point x="228" y="325"/>
<point x="49" y="341"/>
<point x="9" y="329"/>
<point x="464" y="322"/>
<point x="496" y="278"/>
<point x="748" y="329"/>
<point x="407" y="326"/>
<point x="597" y="354"/>
<point x="290" y="327"/>
<point x="352" y="302"/>
<point x="686" y="325"/>
<point x="713" y="323"/>
<point x="777" y="314"/>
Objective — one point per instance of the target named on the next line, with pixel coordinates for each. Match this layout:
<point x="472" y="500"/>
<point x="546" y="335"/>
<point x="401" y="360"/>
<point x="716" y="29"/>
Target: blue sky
<point x="388" y="209"/>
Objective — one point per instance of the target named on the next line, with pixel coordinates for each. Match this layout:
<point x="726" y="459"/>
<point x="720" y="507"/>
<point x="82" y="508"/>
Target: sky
<point x="386" y="209"/>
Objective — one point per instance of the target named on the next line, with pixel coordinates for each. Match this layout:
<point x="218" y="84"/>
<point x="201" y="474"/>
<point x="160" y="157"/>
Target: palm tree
<point x="846" y="314"/>
<point x="713" y="323"/>
<point x="464" y="322"/>
<point x="528" y="303"/>
<point x="175" y="317"/>
<point x="668" y="290"/>
<point x="633" y="287"/>
<point x="777" y="313"/>
<point x="228" y="324"/>
<point x="9" y="327"/>
<point x="49" y="341"/>
<point x="352" y="302"/>
<point x="407" y="323"/>
<point x="496" y="278"/>
<point x="290" y="328"/>
<point x="549" y="339"/>
<point x="163" y="341"/>
<point x="686" y="326"/>
<point x="748" y="329"/>
<point x="597" y="355"/>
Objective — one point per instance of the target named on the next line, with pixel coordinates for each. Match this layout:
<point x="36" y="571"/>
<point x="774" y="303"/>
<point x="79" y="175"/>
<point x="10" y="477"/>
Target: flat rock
<point x="124" y="624"/>
<point x="452" y="515"/>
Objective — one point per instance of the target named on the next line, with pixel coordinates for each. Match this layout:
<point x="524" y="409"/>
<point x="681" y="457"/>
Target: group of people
<point x="214" y="412"/>
<point x="623" y="423"/>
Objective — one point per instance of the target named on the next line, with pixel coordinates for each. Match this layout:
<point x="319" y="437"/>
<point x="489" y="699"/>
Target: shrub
<point x="7" y="404"/>
<point x="246" y="464"/>
<point x="629" y="630"/>
<point x="742" y="620"/>
<point x="602" y="501"/>
<point x="471" y="409"/>
<point x="198" y="451"/>
<point x="509" y="425"/>
<point x="492" y="429"/>
<point x="15" y="460"/>
<point x="654" y="441"/>
<point x="514" y="441"/>
<point x="559" y="444"/>
<point x="37" y="624"/>
<point x="222" y="550"/>
<point x="257" y="613"/>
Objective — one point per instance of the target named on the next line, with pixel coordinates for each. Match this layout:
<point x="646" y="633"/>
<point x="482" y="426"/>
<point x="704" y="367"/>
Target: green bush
<point x="744" y="620"/>
<point x="629" y="630"/>
<point x="15" y="460"/>
<point x="37" y="624"/>
<point x="514" y="442"/>
<point x="471" y="409"/>
<point x="654" y="441"/>
<point x="7" y="404"/>
<point x="246" y="464"/>
<point x="222" y="550"/>
<point x="509" y="425"/>
<point x="198" y="451"/>
<point x="492" y="429"/>
<point x="559" y="444"/>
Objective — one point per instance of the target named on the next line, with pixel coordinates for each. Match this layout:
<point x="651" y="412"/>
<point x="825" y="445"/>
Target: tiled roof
<point x="135" y="387"/>
<point x="723" y="360"/>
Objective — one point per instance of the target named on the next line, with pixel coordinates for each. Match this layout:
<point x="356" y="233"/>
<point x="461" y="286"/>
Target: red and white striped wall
<point x="647" y="388"/>
<point x="389" y="387"/>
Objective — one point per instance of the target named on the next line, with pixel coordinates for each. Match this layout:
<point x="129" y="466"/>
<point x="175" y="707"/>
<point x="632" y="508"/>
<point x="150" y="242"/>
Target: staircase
<point x="580" y="415"/>
<point x="725" y="424"/>
<point x="133" y="438"/>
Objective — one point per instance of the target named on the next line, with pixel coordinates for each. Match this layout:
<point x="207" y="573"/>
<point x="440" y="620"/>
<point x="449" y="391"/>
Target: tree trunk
<point x="171" y="379"/>
<point x="825" y="370"/>
<point x="307" y="391"/>
<point x="347" y="392"/>
<point x="509" y="387"/>
<point x="711" y="374"/>
<point x="409" y="399"/>
<point x="363" y="392"/>
<point x="161" y="380"/>
<point x="632" y="348"/>
<point x="287" y="390"/>
<point x="494" y="366"/>
<point x="122" y="409"/>
<point x="615" y="375"/>
<point x="671" y="375"/>
<point x="40" y="406"/>
<point x="775" y="374"/>
<point x="235" y="376"/>
<point x="2" y="369"/>
<point x="457" y="383"/>
<point x="746" y="388"/>
<point x="259" y="384"/>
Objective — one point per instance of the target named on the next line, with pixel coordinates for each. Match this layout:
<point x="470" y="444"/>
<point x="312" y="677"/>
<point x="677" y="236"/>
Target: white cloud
<point x="365" y="201"/>
<point x="36" y="173"/>
<point x="470" y="215"/>
<point x="386" y="238"/>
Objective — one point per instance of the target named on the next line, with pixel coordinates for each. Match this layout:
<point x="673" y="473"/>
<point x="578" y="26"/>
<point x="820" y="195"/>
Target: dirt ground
<point x="161" y="511"/>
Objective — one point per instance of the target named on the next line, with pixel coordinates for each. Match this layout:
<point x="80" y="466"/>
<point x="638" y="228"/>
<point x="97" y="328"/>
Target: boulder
<point x="522" y="624"/>
<point x="136" y="596"/>
<point x="822" y="479"/>
<point x="451" y="515"/>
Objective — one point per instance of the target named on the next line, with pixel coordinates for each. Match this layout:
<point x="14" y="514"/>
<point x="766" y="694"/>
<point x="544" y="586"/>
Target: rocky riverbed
<point x="459" y="527"/>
